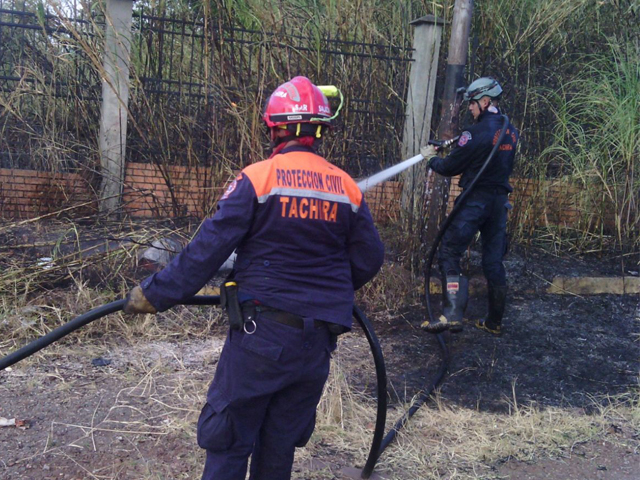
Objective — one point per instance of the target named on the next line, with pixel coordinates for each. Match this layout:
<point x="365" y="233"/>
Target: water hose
<point x="118" y="305"/>
<point x="80" y="322"/>
<point x="427" y="390"/>
<point x="60" y="332"/>
<point x="381" y="376"/>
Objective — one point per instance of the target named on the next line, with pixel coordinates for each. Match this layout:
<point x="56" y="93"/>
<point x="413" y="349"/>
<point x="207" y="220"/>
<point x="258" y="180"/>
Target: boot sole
<point x="484" y="328"/>
<point x="440" y="327"/>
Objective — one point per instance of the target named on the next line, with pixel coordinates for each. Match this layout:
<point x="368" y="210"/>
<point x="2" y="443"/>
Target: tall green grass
<point x="596" y="143"/>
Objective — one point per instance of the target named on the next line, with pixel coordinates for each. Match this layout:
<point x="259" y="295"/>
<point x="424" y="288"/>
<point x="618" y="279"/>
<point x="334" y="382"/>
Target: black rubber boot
<point x="455" y="295"/>
<point x="492" y="323"/>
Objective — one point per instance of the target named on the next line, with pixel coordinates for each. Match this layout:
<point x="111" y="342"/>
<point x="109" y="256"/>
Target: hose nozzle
<point x="442" y="144"/>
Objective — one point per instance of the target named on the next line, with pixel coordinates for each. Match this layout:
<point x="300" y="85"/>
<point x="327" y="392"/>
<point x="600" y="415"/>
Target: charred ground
<point x="135" y="417"/>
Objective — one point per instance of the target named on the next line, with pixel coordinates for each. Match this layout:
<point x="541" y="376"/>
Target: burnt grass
<point x="555" y="350"/>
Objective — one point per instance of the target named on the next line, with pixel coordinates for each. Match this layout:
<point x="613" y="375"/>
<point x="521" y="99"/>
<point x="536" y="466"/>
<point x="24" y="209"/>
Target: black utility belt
<point x="286" y="318"/>
<point x="244" y="315"/>
<point x="290" y="319"/>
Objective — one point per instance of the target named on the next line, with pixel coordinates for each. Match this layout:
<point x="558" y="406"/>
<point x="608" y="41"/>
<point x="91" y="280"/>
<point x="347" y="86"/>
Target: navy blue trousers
<point x="262" y="401"/>
<point x="486" y="212"/>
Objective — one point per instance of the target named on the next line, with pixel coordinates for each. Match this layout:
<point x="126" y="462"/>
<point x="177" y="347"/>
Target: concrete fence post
<point x="422" y="83"/>
<point x="115" y="101"/>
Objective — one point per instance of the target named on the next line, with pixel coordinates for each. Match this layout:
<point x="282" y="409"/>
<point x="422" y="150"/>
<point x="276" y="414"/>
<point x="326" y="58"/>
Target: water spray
<point x="370" y="182"/>
<point x="331" y="91"/>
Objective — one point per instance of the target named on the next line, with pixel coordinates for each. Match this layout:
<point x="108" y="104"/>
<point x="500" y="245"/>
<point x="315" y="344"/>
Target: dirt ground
<point x="134" y="418"/>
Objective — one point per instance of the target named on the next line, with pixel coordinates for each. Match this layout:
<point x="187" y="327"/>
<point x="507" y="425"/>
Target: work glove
<point x="136" y="302"/>
<point x="428" y="151"/>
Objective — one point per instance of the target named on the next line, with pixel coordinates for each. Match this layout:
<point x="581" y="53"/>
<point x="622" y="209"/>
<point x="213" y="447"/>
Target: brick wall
<point x="29" y="194"/>
<point x="147" y="194"/>
<point x="384" y="201"/>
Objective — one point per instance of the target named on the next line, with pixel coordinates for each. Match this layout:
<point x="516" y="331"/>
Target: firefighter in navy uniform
<point x="485" y="210"/>
<point x="305" y="240"/>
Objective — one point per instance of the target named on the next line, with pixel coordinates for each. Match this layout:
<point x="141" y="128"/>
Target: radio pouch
<point x="229" y="301"/>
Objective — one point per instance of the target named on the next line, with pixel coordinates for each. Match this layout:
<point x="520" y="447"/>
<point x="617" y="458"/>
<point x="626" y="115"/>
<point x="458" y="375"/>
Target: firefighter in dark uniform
<point x="305" y="240"/>
<point x="485" y="210"/>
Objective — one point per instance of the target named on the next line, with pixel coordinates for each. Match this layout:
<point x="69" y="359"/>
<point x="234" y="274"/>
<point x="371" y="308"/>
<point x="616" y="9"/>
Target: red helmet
<point x="297" y="101"/>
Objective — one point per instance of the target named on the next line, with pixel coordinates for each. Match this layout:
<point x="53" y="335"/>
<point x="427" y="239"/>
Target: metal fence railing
<point x="50" y="91"/>
<point x="196" y="94"/>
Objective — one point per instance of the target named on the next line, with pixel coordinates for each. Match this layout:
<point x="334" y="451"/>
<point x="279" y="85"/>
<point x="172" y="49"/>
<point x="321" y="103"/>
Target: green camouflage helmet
<point x="483" y="87"/>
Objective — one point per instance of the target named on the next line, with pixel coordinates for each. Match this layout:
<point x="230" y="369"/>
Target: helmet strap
<point x="481" y="108"/>
<point x="279" y="142"/>
<point x="305" y="134"/>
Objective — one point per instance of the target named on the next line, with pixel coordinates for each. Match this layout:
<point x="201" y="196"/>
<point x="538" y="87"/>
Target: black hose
<point x="118" y="305"/>
<point x="81" y="321"/>
<point x="428" y="390"/>
<point x="381" y="375"/>
<point x="60" y="332"/>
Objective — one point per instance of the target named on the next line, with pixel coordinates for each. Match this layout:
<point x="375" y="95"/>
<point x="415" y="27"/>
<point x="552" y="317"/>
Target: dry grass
<point x="163" y="366"/>
<point x="391" y="290"/>
<point x="102" y="251"/>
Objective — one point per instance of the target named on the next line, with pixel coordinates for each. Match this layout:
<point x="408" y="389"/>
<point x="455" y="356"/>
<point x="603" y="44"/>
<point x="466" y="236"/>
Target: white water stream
<point x="387" y="173"/>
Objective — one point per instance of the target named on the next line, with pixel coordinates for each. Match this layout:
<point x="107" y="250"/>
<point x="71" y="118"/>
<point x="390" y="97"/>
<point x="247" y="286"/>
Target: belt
<point x="493" y="189"/>
<point x="286" y="318"/>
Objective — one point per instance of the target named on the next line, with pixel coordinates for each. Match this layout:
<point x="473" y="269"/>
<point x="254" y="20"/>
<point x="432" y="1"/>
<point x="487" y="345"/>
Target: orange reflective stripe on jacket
<point x="306" y="183"/>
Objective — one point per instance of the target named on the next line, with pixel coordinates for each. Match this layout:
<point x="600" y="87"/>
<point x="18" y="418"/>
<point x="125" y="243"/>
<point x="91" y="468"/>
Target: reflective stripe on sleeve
<point x="296" y="192"/>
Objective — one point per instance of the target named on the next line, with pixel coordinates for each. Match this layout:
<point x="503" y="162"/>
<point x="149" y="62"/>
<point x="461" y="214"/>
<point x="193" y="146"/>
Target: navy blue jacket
<point x="474" y="146"/>
<point x="304" y="237"/>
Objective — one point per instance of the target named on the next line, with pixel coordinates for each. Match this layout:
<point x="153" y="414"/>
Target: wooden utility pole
<point x="438" y="197"/>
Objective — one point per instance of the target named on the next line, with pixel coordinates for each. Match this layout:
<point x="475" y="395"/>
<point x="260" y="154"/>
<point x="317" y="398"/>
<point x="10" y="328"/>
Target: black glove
<point x="136" y="302"/>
